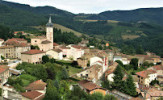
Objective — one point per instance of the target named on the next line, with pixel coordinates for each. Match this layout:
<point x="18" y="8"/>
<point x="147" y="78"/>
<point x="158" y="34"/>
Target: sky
<point x="93" y="6"/>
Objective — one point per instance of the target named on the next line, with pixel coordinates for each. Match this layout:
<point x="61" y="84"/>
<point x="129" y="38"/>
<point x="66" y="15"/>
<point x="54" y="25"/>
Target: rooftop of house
<point x="88" y="85"/>
<point x="46" y="42"/>
<point x="111" y="68"/>
<point x="32" y="52"/>
<point x="18" y="42"/>
<point x="33" y="95"/>
<point x="145" y="73"/>
<point x="57" y="50"/>
<point x="39" y="37"/>
<point x="37" y="85"/>
<point x="3" y="68"/>
<point x="153" y="93"/>
<point x="55" y="44"/>
<point x="5" y="47"/>
<point x="135" y="78"/>
<point x="158" y="67"/>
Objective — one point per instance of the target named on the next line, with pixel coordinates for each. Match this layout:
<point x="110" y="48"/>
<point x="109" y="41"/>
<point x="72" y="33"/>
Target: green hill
<point x="135" y="28"/>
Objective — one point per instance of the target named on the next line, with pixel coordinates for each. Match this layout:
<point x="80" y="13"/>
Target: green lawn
<point x="73" y="70"/>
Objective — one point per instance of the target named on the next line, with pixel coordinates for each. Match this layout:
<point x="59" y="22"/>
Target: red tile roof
<point x="88" y="85"/>
<point x="3" y="68"/>
<point x="55" y="44"/>
<point x="77" y="47"/>
<point x="145" y="73"/>
<point x="16" y="42"/>
<point x="34" y="95"/>
<point x="37" y="85"/>
<point x="32" y="52"/>
<point x="158" y="67"/>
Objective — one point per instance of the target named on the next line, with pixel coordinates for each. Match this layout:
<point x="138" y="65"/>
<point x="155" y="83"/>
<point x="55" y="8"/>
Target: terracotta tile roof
<point x="37" y="85"/>
<point x="64" y="47"/>
<point x="88" y="85"/>
<point x="77" y="47"/>
<point x="55" y="44"/>
<point x="32" y="52"/>
<point x="16" y="42"/>
<point x="34" y="95"/>
<point x="158" y="67"/>
<point x="46" y="42"/>
<point x="40" y="37"/>
<point x="4" y="47"/>
<point x="111" y="68"/>
<point x="57" y="50"/>
<point x="145" y="73"/>
<point x="3" y="68"/>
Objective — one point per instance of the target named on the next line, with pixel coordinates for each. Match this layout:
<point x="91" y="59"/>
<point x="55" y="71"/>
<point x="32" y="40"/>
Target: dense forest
<point x="137" y="32"/>
<point x="5" y="32"/>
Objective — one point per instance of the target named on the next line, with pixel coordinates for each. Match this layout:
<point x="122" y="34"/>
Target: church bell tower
<point x="49" y="30"/>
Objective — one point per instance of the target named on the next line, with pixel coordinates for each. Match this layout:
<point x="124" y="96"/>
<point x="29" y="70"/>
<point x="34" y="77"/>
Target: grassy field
<point x="65" y="29"/>
<point x="129" y="37"/>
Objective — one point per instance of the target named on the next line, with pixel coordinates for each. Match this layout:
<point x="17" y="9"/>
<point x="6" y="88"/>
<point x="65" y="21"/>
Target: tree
<point x="45" y="59"/>
<point x="154" y="82"/>
<point x="120" y="62"/>
<point x="118" y="75"/>
<point x="56" y="84"/>
<point x="131" y="89"/>
<point x="52" y="93"/>
<point x="65" y="74"/>
<point x="97" y="96"/>
<point x="106" y="84"/>
<point x="110" y="97"/>
<point x="134" y="63"/>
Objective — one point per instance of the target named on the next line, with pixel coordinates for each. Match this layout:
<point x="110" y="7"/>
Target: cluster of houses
<point x="95" y="63"/>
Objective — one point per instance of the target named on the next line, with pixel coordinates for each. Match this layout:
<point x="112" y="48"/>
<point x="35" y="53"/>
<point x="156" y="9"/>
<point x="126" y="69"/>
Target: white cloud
<point x="94" y="6"/>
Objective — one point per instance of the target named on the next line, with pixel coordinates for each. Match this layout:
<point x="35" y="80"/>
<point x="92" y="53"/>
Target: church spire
<point x="49" y="24"/>
<point x="50" y="20"/>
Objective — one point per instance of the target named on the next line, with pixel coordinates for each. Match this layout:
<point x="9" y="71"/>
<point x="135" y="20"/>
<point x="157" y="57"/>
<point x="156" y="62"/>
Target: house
<point x="32" y="95"/>
<point x="120" y="95"/>
<point x="82" y="62"/>
<point x="4" y="73"/>
<point x="152" y="94"/>
<point x="38" y="85"/>
<point x="45" y="43"/>
<point x="32" y="56"/>
<point x="91" y="88"/>
<point x="158" y="69"/>
<point x="110" y="54"/>
<point x="10" y="93"/>
<point x="145" y="77"/>
<point x="93" y="73"/>
<point x="55" y="53"/>
<point x="1" y="42"/>
<point x="14" y="47"/>
<point x="109" y="73"/>
<point x="76" y="51"/>
<point x="55" y="45"/>
<point x="123" y="58"/>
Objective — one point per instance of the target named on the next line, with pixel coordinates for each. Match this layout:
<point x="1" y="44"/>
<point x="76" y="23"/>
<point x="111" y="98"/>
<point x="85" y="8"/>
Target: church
<point x="45" y="43"/>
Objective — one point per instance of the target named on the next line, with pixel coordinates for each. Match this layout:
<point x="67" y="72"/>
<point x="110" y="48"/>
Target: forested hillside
<point x="131" y="31"/>
<point x="151" y="15"/>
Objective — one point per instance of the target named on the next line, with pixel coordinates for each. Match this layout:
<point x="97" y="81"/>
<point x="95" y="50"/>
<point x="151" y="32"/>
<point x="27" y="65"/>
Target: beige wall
<point x="8" y="52"/>
<point x="36" y="58"/>
<point x="45" y="47"/>
<point x="55" y="54"/>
